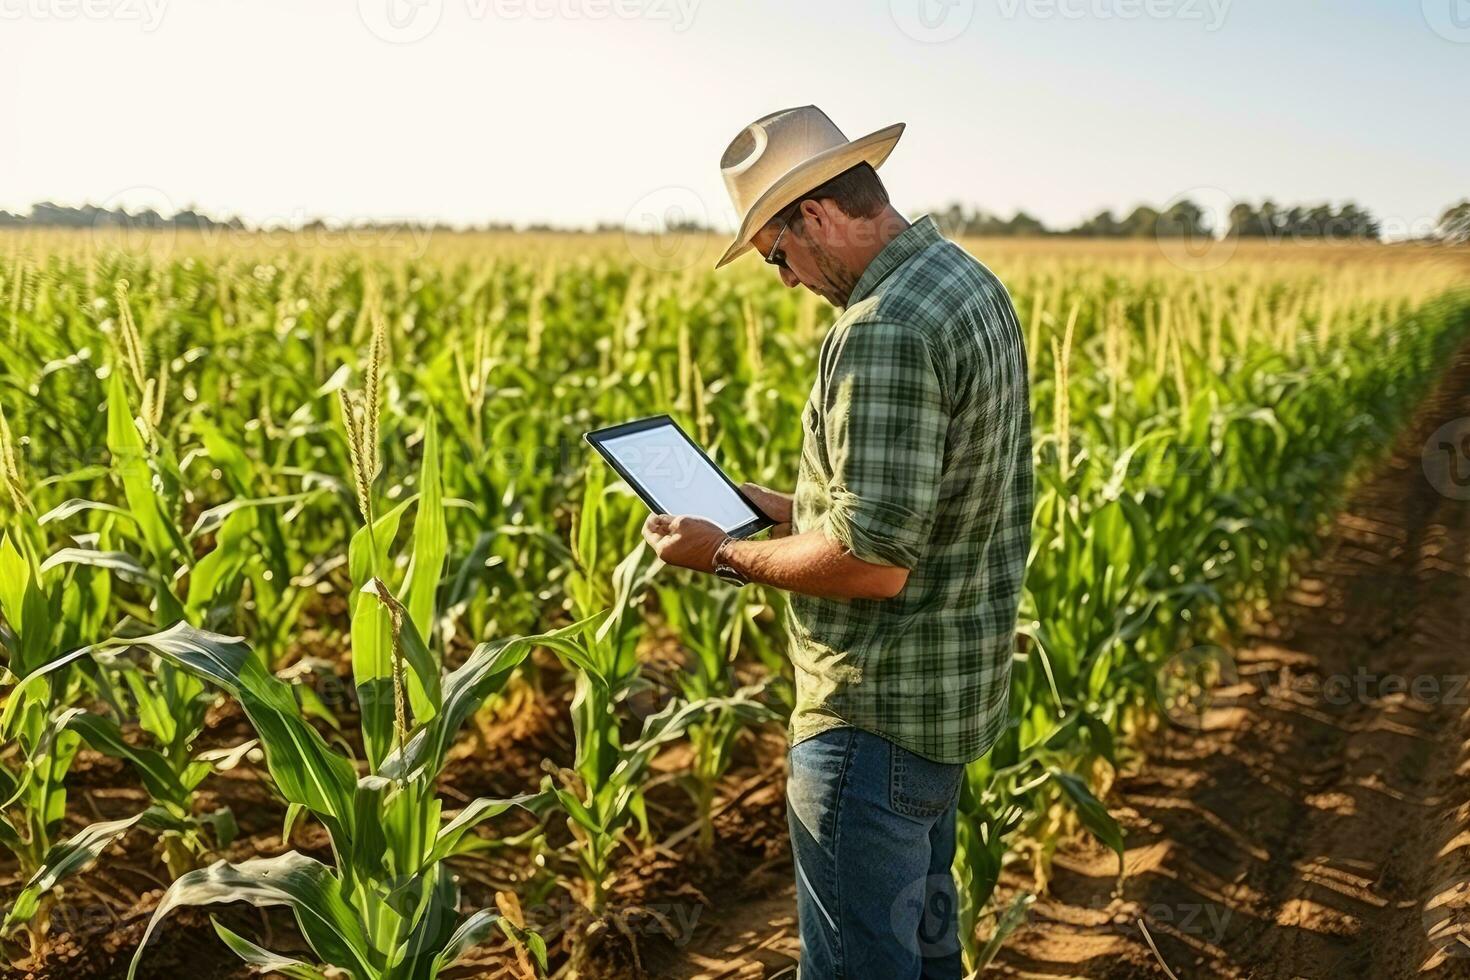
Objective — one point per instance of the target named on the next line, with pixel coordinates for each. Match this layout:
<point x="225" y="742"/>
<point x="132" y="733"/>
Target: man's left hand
<point x="683" y="540"/>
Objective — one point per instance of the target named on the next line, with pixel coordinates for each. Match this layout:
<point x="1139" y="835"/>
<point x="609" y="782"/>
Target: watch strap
<point x="724" y="569"/>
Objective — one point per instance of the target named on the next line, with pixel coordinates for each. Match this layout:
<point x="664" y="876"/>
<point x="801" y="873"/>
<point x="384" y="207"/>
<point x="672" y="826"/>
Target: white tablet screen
<point x="678" y="478"/>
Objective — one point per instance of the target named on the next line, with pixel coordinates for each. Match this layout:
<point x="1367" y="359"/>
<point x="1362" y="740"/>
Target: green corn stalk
<point x="168" y="705"/>
<point x="708" y="622"/>
<point x="41" y="610"/>
<point x="388" y="908"/>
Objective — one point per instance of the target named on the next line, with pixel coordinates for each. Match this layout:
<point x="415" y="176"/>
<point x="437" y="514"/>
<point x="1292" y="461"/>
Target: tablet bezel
<point x="597" y="437"/>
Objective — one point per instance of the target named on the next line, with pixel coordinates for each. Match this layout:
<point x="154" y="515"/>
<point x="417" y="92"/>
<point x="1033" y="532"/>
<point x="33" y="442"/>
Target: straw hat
<point x="780" y="157"/>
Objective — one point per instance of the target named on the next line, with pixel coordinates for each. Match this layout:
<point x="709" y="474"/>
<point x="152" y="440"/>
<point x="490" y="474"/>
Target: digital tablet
<point x="672" y="475"/>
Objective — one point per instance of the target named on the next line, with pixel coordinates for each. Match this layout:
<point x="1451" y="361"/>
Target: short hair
<point x="857" y="192"/>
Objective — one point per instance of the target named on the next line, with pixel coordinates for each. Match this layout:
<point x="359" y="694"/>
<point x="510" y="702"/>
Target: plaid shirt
<point x="917" y="452"/>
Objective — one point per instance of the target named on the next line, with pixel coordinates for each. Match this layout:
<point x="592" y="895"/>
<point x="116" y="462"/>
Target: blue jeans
<point x="873" y="840"/>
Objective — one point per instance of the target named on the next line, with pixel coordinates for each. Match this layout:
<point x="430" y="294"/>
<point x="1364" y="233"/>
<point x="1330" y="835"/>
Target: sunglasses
<point x="775" y="256"/>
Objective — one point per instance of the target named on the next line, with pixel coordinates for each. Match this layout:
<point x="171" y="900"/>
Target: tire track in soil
<point x="1317" y="823"/>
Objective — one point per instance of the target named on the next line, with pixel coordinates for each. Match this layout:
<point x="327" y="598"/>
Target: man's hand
<point x="689" y="542"/>
<point x="774" y="504"/>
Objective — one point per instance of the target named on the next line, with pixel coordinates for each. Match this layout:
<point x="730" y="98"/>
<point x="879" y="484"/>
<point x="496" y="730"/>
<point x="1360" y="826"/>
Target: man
<point x="907" y="540"/>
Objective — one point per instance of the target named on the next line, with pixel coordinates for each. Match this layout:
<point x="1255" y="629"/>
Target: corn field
<point x="294" y="537"/>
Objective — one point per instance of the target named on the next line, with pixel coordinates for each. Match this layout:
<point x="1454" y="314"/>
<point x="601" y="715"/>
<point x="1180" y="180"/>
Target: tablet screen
<point x="677" y="477"/>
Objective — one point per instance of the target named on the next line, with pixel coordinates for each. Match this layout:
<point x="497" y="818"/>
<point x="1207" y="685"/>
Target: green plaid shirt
<point x="916" y="451"/>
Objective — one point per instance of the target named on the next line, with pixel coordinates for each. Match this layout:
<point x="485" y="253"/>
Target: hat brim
<point x="872" y="149"/>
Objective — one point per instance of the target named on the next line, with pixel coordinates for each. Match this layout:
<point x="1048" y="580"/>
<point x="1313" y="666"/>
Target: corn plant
<point x="388" y="907"/>
<point x="39" y="687"/>
<point x="138" y="545"/>
<point x="41" y="613"/>
<point x="44" y="613"/>
<point x="602" y="794"/>
<point x="708" y="622"/>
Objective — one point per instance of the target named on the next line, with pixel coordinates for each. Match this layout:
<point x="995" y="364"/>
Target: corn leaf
<point x="77" y="505"/>
<point x="481" y="675"/>
<point x="104" y="735"/>
<point x="422" y="663"/>
<point x="305" y="769"/>
<point x="75" y="854"/>
<point x="130" y="463"/>
<point x="210" y="520"/>
<point x="314" y="894"/>
<point x="430" y="548"/>
<point x="25" y="609"/>
<point x="450" y="835"/>
<point x="372" y="636"/>
<point x="1091" y="812"/>
<point x="263" y="959"/>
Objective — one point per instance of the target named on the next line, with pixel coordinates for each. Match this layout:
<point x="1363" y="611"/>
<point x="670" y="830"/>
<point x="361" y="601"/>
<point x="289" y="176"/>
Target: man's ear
<point x="814" y="215"/>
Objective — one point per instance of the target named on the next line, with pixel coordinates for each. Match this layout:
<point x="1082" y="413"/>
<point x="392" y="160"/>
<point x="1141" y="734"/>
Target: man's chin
<point x="829" y="296"/>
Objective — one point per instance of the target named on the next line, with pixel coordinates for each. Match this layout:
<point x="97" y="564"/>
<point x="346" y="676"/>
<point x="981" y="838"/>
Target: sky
<point x="575" y="112"/>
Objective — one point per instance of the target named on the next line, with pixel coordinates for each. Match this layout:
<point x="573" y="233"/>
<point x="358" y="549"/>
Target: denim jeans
<point x="873" y="839"/>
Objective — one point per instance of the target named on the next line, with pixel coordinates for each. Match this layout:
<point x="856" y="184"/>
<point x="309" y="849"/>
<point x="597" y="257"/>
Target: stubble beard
<point x="839" y="281"/>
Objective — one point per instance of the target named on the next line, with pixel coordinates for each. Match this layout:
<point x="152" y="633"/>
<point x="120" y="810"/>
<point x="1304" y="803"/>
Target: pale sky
<point x="579" y="111"/>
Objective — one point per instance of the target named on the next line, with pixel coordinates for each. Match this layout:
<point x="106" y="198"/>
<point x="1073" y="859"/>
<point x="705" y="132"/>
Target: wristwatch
<point x="724" y="569"/>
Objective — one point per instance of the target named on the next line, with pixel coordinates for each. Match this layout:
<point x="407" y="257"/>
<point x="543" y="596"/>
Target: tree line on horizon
<point x="1268" y="220"/>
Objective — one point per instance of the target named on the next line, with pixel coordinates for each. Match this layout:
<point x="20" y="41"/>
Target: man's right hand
<point x="773" y="503"/>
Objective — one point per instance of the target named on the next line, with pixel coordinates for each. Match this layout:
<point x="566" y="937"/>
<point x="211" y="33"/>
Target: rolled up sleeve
<point x="886" y="426"/>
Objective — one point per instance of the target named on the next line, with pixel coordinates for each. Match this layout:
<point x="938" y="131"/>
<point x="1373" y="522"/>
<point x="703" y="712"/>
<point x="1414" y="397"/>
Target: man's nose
<point x="788" y="278"/>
